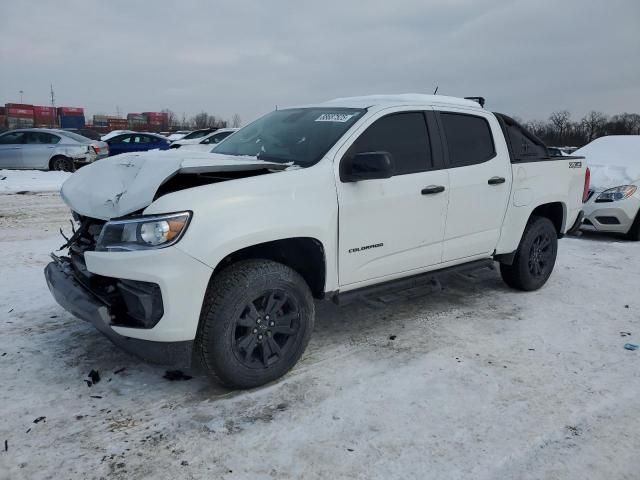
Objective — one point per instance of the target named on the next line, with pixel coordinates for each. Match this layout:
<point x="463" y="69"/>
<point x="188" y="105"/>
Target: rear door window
<point x="41" y="138"/>
<point x="468" y="138"/>
<point x="404" y="136"/>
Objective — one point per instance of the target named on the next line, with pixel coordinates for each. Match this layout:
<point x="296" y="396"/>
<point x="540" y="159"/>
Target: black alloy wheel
<point x="265" y="330"/>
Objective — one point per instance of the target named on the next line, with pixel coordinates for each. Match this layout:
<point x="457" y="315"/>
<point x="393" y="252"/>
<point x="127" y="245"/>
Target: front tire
<point x="256" y="322"/>
<point x="634" y="232"/>
<point x="535" y="257"/>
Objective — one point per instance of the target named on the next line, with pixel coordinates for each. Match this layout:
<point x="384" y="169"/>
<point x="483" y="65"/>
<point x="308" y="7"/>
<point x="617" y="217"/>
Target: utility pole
<point x="21" y="92"/>
<point x="53" y="105"/>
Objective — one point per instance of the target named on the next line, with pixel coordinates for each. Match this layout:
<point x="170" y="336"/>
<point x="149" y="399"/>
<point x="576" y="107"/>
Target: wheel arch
<point x="305" y="255"/>
<point x="554" y="211"/>
<point x="54" y="157"/>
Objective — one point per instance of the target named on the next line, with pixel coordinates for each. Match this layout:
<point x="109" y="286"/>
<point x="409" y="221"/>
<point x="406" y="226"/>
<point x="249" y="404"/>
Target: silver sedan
<point x="48" y="149"/>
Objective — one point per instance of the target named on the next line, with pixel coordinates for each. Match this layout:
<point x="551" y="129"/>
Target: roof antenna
<point x="435" y="92"/>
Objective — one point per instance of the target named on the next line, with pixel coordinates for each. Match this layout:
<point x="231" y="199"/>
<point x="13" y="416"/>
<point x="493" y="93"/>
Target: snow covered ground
<point x="470" y="381"/>
<point x="13" y="181"/>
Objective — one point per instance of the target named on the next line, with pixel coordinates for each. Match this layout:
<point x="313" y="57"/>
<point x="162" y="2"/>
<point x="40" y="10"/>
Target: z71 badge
<point x="575" y="164"/>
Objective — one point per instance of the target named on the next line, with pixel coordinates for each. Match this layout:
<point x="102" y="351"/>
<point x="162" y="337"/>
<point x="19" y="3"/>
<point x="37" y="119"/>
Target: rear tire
<point x="61" y="164"/>
<point x="634" y="232"/>
<point x="256" y="322"/>
<point x="535" y="257"/>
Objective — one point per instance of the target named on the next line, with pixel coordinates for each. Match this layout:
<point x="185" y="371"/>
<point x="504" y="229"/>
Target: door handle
<point x="496" y="180"/>
<point x="15" y="148"/>
<point x="432" y="189"/>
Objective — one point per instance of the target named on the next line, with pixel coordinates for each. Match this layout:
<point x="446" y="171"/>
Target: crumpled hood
<point x="123" y="184"/>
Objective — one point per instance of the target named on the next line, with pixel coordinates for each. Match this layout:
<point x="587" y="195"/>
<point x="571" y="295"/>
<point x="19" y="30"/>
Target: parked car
<point x="198" y="133"/>
<point x="221" y="254"/>
<point x="48" y="149"/>
<point x="137" y="142"/>
<point x="206" y="143"/>
<point x="114" y="133"/>
<point x="85" y="132"/>
<point x="614" y="198"/>
<point x="178" y="135"/>
<point x="556" y="152"/>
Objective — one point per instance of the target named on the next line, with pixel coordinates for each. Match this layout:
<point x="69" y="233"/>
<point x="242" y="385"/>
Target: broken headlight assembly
<point x="617" y="193"/>
<point x="143" y="232"/>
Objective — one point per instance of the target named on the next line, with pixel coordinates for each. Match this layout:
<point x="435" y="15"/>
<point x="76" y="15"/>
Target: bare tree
<point x="201" y="120"/>
<point x="593" y="125"/>
<point x="235" y="121"/>
<point x="204" y="120"/>
<point x="560" y="122"/>
<point x="172" y="118"/>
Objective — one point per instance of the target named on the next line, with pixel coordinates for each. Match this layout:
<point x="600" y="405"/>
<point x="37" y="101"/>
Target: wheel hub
<point x="266" y="329"/>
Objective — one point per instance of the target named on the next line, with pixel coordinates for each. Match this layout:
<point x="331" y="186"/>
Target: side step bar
<point x="407" y="282"/>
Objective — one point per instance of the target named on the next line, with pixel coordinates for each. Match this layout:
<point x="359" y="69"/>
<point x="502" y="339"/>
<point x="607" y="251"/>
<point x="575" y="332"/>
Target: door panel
<point x="38" y="149"/>
<point x="480" y="183"/>
<point x="11" y="150"/>
<point x="390" y="226"/>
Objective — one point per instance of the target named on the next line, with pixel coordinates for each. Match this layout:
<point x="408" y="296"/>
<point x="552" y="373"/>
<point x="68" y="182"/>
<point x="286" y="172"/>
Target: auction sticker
<point x="335" y="117"/>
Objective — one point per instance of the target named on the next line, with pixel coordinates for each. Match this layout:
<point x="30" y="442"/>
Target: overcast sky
<point x="528" y="58"/>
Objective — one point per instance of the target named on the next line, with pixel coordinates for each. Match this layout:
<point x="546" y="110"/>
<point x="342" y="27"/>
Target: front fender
<point x="235" y="214"/>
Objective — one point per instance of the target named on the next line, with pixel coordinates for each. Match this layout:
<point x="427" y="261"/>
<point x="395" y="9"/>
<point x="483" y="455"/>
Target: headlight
<point x="617" y="193"/>
<point x="144" y="232"/>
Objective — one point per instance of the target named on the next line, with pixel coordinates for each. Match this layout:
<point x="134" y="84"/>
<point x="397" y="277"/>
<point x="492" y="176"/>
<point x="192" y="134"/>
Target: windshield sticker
<point x="335" y="117"/>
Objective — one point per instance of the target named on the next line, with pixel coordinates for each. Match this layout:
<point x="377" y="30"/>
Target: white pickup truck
<point x="218" y="257"/>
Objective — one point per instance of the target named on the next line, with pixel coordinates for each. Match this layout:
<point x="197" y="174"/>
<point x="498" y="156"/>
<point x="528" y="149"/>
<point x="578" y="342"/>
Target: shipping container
<point x="156" y="115"/>
<point x="44" y="116"/>
<point x="72" y="121"/>
<point x="17" y="122"/>
<point x="20" y="112"/>
<point x="70" y="111"/>
<point x="19" y="105"/>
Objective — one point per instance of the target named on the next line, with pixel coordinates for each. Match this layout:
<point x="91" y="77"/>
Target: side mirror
<point x="367" y="166"/>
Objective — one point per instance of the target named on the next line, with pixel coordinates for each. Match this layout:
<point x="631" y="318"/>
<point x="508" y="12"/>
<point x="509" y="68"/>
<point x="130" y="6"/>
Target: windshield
<point x="298" y="135"/>
<point x="196" y="134"/>
<point x="75" y="136"/>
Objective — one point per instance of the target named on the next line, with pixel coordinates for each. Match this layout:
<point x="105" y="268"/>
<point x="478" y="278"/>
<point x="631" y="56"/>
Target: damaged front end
<point x="108" y="199"/>
<point x="109" y="302"/>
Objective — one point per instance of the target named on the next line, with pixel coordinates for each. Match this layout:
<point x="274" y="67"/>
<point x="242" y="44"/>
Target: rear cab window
<point x="468" y="139"/>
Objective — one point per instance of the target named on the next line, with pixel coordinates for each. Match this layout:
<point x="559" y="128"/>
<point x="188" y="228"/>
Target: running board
<point x="407" y="282"/>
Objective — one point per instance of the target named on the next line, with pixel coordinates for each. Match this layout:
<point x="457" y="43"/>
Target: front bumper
<point x="79" y="301"/>
<point x="615" y="217"/>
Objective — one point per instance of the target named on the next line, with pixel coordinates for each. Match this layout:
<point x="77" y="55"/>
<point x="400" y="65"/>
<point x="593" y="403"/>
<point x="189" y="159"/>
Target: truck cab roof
<point x="392" y="100"/>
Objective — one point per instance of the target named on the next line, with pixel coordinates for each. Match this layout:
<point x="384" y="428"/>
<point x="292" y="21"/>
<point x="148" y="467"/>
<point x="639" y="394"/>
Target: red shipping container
<point x="42" y="110"/>
<point x="70" y="111"/>
<point x="20" y="112"/>
<point x="46" y="115"/>
<point x="161" y="116"/>
<point x="19" y="105"/>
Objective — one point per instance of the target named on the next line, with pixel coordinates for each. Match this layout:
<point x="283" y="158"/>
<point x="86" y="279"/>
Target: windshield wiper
<point x="271" y="158"/>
